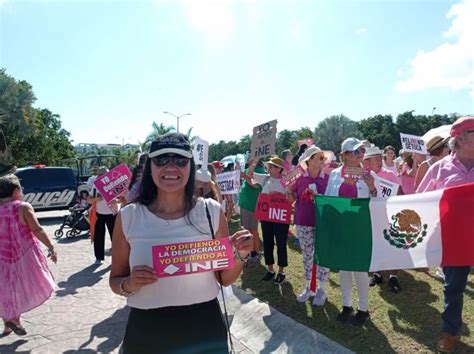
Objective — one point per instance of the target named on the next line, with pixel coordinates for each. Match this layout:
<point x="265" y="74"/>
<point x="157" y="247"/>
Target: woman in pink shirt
<point x="312" y="182"/>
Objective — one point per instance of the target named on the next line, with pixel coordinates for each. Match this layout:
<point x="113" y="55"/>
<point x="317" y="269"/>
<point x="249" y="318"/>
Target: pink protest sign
<point x="273" y="207"/>
<point x="192" y="257"/>
<point x="308" y="142"/>
<point x="292" y="176"/>
<point x="354" y="172"/>
<point x="114" y="183"/>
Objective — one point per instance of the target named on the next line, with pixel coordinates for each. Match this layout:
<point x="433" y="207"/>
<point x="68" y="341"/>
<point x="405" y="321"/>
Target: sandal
<point x="18" y="329"/>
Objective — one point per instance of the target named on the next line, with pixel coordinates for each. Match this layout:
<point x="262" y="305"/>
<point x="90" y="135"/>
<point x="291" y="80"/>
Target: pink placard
<point x="354" y="172"/>
<point x="291" y="176"/>
<point x="307" y="141"/>
<point x="113" y="183"/>
<point x="192" y="257"/>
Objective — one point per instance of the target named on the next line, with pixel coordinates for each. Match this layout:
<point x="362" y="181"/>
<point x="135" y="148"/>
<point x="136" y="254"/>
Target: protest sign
<point x="354" y="172"/>
<point x="264" y="140"/>
<point x="192" y="257"/>
<point x="292" y="176"/>
<point x="307" y="141"/>
<point x="386" y="188"/>
<point x="413" y="143"/>
<point x="229" y="182"/>
<point x="273" y="207"/>
<point x="113" y="183"/>
<point x="200" y="153"/>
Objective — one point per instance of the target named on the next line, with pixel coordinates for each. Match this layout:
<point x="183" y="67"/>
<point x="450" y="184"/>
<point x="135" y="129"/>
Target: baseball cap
<point x="351" y="144"/>
<point x="461" y="125"/>
<point x="171" y="143"/>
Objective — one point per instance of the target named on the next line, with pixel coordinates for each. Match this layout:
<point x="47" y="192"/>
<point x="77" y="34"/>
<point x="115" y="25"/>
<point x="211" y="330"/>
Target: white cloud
<point x="360" y="31"/>
<point x="451" y="64"/>
<point x="213" y="18"/>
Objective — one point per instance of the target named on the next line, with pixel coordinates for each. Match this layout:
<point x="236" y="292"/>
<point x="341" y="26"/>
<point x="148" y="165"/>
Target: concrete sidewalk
<point x="84" y="316"/>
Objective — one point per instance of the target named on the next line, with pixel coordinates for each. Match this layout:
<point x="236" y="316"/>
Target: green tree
<point x="332" y="131"/>
<point x="380" y="130"/>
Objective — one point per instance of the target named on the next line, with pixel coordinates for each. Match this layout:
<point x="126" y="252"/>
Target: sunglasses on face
<point x="358" y="152"/>
<point x="164" y="160"/>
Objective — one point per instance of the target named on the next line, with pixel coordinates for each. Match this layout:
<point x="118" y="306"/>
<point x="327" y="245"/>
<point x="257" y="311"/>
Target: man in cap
<point x="453" y="170"/>
<point x="373" y="162"/>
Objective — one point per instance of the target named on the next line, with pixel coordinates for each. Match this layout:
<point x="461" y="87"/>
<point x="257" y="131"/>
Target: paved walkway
<point x="84" y="316"/>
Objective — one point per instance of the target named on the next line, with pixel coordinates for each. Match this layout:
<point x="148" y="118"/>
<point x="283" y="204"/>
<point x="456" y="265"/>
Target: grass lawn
<point x="404" y="323"/>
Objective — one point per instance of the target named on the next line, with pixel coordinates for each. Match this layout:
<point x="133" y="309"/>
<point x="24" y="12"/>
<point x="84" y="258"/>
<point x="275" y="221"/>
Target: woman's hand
<point x="139" y="277"/>
<point x="53" y="255"/>
<point x="370" y="182"/>
<point x="243" y="242"/>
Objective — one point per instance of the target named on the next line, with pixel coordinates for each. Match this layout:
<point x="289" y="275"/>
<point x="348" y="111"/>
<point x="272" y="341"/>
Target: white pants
<point x="362" y="282"/>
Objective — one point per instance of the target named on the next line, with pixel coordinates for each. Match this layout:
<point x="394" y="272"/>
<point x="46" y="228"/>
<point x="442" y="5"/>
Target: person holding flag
<point x="453" y="170"/>
<point x="350" y="185"/>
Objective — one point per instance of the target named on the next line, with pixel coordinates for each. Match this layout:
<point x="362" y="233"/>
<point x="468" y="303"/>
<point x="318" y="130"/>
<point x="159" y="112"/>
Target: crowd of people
<point x="171" y="200"/>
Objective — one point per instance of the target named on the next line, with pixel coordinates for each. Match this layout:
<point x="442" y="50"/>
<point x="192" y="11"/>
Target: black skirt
<point x="197" y="328"/>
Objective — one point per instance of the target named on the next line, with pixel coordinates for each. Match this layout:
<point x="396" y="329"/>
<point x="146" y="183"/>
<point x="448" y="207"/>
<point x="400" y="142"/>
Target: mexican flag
<point x="403" y="232"/>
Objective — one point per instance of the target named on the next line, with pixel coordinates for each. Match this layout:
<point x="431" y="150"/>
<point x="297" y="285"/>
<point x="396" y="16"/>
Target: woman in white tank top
<point x="173" y="314"/>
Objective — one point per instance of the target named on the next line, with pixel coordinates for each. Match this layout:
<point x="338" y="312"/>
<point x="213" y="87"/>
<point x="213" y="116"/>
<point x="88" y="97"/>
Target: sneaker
<point x="269" y="276"/>
<point x="394" y="285"/>
<point x="320" y="297"/>
<point x="345" y="314"/>
<point x="98" y="262"/>
<point x="359" y="318"/>
<point x="280" y="278"/>
<point x="305" y="295"/>
<point x="376" y="279"/>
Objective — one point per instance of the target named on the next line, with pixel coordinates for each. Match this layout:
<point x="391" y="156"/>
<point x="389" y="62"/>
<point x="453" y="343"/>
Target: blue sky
<point x="110" y="68"/>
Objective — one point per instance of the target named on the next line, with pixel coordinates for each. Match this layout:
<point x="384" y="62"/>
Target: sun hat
<point x="275" y="161"/>
<point x="436" y="142"/>
<point x="351" y="144"/>
<point x="312" y="150"/>
<point x="171" y="143"/>
<point x="372" y="151"/>
<point x="461" y="125"/>
<point x="203" y="176"/>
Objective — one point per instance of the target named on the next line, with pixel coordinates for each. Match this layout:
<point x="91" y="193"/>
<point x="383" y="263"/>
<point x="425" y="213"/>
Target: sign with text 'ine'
<point x="273" y="207"/>
<point x="264" y="140"/>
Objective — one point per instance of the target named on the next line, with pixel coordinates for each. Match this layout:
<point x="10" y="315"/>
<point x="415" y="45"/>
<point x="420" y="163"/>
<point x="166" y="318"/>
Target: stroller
<point x="77" y="220"/>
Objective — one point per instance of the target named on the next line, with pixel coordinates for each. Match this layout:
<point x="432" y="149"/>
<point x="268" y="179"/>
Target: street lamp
<point x="433" y="110"/>
<point x="177" y="118"/>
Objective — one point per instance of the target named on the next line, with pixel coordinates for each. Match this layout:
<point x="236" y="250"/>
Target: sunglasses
<point x="358" y="152"/>
<point x="164" y="160"/>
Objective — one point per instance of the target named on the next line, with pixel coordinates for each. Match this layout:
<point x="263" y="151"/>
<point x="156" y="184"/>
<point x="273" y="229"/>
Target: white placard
<point x="229" y="182"/>
<point x="386" y="188"/>
<point x="264" y="140"/>
<point x="201" y="152"/>
<point x="413" y="143"/>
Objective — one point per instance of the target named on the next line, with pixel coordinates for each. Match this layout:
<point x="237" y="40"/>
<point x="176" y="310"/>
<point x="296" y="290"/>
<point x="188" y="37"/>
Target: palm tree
<point x="158" y="129"/>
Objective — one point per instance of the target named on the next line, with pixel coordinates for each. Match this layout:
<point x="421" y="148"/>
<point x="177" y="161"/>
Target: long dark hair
<point x="149" y="192"/>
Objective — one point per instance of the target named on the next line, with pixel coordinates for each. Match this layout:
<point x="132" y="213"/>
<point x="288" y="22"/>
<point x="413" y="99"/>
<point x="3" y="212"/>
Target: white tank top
<point x="143" y="230"/>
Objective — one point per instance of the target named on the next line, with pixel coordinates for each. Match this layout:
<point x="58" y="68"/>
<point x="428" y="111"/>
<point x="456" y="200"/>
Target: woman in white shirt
<point x="180" y="313"/>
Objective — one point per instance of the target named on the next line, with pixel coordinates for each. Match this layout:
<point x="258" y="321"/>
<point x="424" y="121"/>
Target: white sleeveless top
<point x="143" y="229"/>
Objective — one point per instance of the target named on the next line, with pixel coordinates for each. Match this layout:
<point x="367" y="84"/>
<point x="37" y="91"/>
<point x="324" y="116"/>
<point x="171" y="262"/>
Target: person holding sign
<point x="175" y="313"/>
<point x="312" y="182"/>
<point x="453" y="170"/>
<point x="388" y="186"/>
<point x="105" y="216"/>
<point x="273" y="230"/>
<point x="352" y="186"/>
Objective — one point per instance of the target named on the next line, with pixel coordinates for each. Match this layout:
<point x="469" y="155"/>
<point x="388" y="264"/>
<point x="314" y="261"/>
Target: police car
<point x="48" y="188"/>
